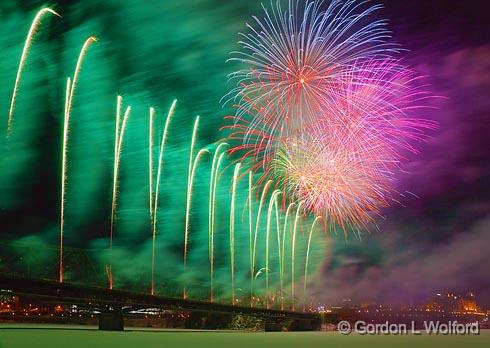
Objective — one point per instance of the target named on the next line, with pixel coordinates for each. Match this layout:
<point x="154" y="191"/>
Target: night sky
<point x="151" y="54"/>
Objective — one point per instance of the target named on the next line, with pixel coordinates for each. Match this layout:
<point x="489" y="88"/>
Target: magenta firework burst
<point x="343" y="167"/>
<point x="325" y="108"/>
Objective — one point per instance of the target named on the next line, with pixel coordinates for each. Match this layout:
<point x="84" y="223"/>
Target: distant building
<point x="443" y="307"/>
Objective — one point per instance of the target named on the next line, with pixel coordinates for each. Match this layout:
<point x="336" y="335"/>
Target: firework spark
<point x="305" y="281"/>
<point x="272" y="204"/>
<point x="232" y="231"/>
<point x="293" y="251"/>
<point x="193" y="162"/>
<point x="213" y="182"/>
<point x="118" y="141"/>
<point x="154" y="209"/>
<point x="283" y="248"/>
<point x="70" y="91"/>
<point x="150" y="162"/>
<point x="89" y="41"/>
<point x="256" y="234"/>
<point x="27" y="44"/>
<point x="250" y="233"/>
<point x="66" y="120"/>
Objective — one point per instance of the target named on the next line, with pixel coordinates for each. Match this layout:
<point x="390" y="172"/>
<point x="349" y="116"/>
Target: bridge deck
<point x="103" y="297"/>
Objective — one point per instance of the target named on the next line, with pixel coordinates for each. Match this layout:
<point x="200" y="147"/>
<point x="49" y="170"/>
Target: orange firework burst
<point x="331" y="180"/>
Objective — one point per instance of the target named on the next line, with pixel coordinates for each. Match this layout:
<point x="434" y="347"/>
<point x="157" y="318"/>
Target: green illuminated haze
<point x="150" y="53"/>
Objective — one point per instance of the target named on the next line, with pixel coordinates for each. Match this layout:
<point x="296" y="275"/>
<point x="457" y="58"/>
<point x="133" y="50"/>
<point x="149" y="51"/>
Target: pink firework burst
<point x="344" y="166"/>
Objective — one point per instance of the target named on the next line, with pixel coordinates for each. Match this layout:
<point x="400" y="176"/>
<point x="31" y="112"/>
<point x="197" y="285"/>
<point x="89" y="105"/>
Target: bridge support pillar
<point x="271" y="326"/>
<point x="305" y="325"/>
<point x="195" y="320"/>
<point x="111" y="321"/>
<point x="208" y="320"/>
<point x="217" y="321"/>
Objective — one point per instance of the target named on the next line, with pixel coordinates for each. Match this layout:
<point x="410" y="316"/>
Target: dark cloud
<point x="411" y="271"/>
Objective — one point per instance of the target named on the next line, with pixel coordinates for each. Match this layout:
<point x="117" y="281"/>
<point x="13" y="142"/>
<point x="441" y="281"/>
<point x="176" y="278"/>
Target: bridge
<point x="114" y="304"/>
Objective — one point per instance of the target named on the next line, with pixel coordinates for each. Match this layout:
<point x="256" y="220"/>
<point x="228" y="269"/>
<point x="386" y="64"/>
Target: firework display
<point x="325" y="107"/>
<point x="326" y="114"/>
